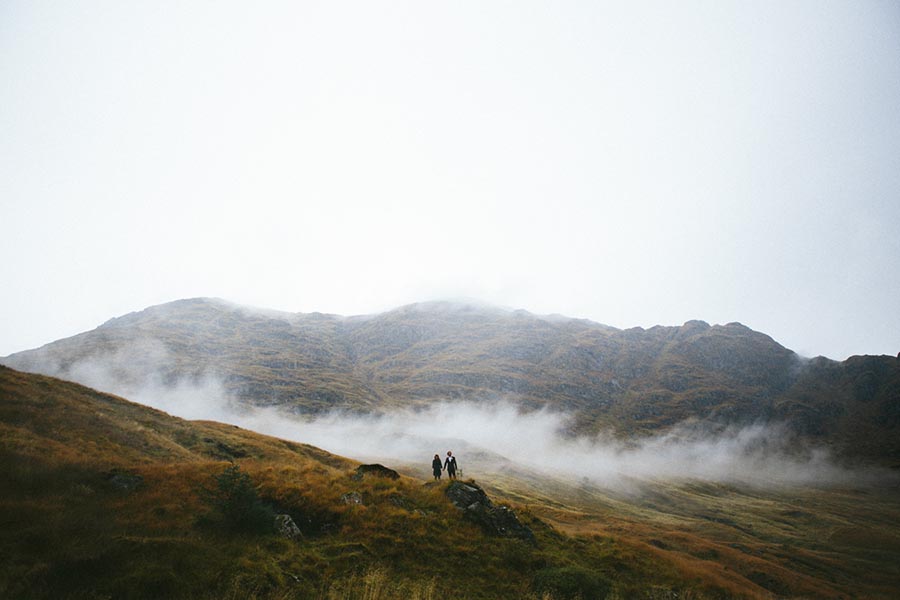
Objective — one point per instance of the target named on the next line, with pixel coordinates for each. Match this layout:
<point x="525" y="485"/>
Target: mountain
<point x="629" y="381"/>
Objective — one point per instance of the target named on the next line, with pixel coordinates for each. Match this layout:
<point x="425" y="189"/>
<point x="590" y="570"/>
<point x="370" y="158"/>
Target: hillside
<point x="102" y="497"/>
<point x="628" y="381"/>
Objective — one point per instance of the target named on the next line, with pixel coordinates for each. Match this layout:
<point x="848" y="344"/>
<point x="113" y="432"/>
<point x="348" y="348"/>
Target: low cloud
<point x="501" y="437"/>
<point x="134" y="371"/>
<point x="487" y="438"/>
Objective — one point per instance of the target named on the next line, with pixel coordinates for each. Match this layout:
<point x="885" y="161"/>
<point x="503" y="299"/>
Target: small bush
<point x="571" y="583"/>
<point x="235" y="503"/>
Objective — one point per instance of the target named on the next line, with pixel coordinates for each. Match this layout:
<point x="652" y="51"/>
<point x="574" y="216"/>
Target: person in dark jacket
<point x="450" y="465"/>
<point x="436" y="466"/>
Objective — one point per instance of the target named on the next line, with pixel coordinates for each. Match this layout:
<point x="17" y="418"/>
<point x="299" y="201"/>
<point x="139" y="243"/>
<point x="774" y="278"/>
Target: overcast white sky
<point x="635" y="163"/>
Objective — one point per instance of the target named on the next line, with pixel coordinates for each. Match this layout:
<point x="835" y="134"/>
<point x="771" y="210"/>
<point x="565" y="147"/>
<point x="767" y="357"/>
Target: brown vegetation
<point x="101" y="497"/>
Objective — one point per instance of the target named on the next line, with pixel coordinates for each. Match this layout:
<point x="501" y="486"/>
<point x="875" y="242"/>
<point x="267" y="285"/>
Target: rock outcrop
<point x="478" y="508"/>
<point x="352" y="498"/>
<point x="285" y="527"/>
<point x="124" y="480"/>
<point x="375" y="470"/>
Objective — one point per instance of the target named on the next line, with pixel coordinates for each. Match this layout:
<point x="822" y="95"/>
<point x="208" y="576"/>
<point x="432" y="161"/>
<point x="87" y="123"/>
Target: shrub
<point x="235" y="503"/>
<point x="571" y="583"/>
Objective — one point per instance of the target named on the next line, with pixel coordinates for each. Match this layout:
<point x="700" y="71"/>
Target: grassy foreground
<point x="780" y="541"/>
<point x="103" y="498"/>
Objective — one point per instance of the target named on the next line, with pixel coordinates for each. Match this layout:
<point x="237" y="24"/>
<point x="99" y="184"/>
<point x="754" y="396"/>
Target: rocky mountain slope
<point x="630" y="381"/>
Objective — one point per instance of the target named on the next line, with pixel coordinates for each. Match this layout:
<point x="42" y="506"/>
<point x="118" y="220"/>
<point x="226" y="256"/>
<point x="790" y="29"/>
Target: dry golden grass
<point x="72" y="528"/>
<point x="802" y="542"/>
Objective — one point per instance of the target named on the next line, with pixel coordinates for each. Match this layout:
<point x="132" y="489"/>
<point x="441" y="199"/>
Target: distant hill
<point x="630" y="381"/>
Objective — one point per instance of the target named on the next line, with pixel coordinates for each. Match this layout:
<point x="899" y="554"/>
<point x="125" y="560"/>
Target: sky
<point x="633" y="163"/>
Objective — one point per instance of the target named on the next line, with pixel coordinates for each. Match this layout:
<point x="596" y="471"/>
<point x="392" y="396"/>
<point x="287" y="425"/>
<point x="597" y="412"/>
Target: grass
<point x="101" y="498"/>
<point x="807" y="542"/>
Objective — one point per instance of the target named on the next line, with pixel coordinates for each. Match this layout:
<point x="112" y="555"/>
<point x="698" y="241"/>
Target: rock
<point x="285" y="527"/>
<point x="478" y="508"/>
<point x="124" y="480"/>
<point x="375" y="470"/>
<point x="352" y="498"/>
<point x="464" y="495"/>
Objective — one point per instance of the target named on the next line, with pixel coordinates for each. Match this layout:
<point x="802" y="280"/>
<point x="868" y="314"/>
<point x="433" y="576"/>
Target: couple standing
<point x="449" y="464"/>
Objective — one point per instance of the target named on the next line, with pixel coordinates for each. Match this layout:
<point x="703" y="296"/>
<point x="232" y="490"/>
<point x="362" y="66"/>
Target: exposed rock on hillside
<point x="376" y="470"/>
<point x="352" y="498"/>
<point x="478" y="508"/>
<point x="123" y="480"/>
<point x="286" y="528"/>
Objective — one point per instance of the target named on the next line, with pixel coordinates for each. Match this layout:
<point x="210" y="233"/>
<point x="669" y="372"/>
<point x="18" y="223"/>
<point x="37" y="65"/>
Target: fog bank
<point x="486" y="437"/>
<point x="500" y="437"/>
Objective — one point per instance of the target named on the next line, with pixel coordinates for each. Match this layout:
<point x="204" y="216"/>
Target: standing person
<point x="450" y="465"/>
<point x="436" y="467"/>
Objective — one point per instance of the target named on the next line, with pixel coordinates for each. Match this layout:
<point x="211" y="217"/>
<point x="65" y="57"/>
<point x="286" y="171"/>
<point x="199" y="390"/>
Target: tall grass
<point x="67" y="524"/>
<point x="377" y="584"/>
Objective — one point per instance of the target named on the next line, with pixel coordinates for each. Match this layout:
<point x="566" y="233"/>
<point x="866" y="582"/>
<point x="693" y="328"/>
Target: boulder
<point x="285" y="527"/>
<point x="478" y="508"/>
<point x="375" y="470"/>
<point x="124" y="480"/>
<point x="352" y="498"/>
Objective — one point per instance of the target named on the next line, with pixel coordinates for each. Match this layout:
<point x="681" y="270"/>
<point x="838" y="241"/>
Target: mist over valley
<point x="564" y="396"/>
<point x="698" y="451"/>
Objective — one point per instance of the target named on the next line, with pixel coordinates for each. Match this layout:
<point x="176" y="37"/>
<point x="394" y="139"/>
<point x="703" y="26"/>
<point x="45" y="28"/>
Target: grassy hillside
<point x="780" y="541"/>
<point x="102" y="498"/>
<point x="633" y="381"/>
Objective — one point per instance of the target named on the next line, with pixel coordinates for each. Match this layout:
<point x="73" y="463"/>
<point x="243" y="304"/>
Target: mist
<point x="501" y="437"/>
<point x="487" y="437"/>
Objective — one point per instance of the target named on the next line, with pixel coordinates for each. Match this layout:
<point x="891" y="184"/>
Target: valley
<point x="702" y="462"/>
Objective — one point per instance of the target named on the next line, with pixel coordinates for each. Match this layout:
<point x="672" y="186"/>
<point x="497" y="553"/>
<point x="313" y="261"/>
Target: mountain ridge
<point x="631" y="381"/>
<point x="445" y="306"/>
